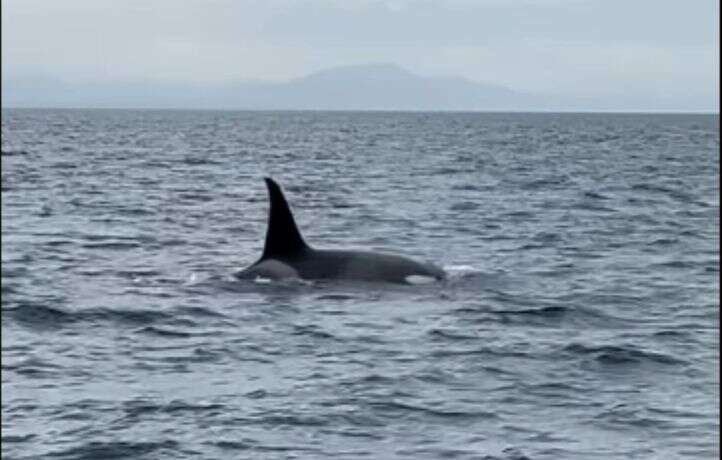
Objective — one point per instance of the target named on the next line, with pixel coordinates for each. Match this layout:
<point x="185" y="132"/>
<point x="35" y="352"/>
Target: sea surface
<point x="580" y="319"/>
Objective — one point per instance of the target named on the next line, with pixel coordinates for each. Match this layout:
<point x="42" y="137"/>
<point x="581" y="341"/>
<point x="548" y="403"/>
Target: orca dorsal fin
<point x="282" y="235"/>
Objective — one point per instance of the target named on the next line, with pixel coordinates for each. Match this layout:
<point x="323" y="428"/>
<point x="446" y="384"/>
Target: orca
<point x="287" y="255"/>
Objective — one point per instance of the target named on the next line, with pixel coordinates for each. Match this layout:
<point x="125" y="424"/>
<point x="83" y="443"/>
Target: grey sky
<point x="594" y="48"/>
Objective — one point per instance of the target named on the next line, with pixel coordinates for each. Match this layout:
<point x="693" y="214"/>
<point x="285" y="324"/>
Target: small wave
<point x="678" y="195"/>
<point x="38" y="315"/>
<point x="140" y="407"/>
<point x="445" y="172"/>
<point x="33" y="368"/>
<point x="101" y="237"/>
<point x="112" y="245"/>
<point x="548" y="314"/>
<point x="546" y="183"/>
<point x="675" y="264"/>
<point x="164" y="332"/>
<point x="127" y="316"/>
<point x="134" y="211"/>
<point x="64" y="165"/>
<point x="57" y="243"/>
<point x="439" y="452"/>
<point x="466" y="187"/>
<point x="613" y="354"/>
<point x="509" y="453"/>
<point x="445" y="334"/>
<point x="521" y="215"/>
<point x="595" y="195"/>
<point x="672" y="334"/>
<point x="292" y="420"/>
<point x="232" y="445"/>
<point x="200" y="312"/>
<point x="43" y="316"/>
<point x="396" y="406"/>
<point x="480" y="351"/>
<point x="464" y="206"/>
<point x="546" y="237"/>
<point x="139" y="273"/>
<point x="336" y="297"/>
<point x="192" y="196"/>
<point x="256" y="394"/>
<point x="527" y="247"/>
<point x="197" y="161"/>
<point x="17" y="438"/>
<point x="13" y="153"/>
<point x="374" y="378"/>
<point x="554" y="311"/>
<point x="115" y="449"/>
<point x="555" y="389"/>
<point x="312" y="331"/>
<point x="626" y="416"/>
<point x="172" y="242"/>
<point x="592" y="207"/>
<point x="15" y="272"/>
<point x="664" y="242"/>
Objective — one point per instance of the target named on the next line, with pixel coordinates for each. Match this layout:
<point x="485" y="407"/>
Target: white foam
<point x="461" y="268"/>
<point x="420" y="279"/>
<point x="192" y="279"/>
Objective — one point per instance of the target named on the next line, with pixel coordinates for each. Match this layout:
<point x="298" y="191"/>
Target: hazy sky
<point x="567" y="47"/>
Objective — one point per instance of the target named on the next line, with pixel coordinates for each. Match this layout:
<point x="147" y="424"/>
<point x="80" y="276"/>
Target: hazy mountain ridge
<point x="364" y="87"/>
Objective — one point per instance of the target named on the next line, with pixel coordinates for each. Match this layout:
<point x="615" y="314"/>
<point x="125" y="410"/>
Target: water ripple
<point x="580" y="318"/>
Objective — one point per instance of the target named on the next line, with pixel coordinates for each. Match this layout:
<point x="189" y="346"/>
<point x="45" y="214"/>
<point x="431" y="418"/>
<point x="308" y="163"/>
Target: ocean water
<point x="580" y="319"/>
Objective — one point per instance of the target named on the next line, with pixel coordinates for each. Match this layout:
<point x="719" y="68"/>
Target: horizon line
<point x="440" y="110"/>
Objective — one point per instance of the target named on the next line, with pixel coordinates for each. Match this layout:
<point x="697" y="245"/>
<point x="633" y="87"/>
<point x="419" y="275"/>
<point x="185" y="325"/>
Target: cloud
<point x="591" y="47"/>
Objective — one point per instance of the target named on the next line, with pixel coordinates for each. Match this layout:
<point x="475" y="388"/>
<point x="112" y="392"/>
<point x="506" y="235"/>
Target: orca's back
<point x="361" y="265"/>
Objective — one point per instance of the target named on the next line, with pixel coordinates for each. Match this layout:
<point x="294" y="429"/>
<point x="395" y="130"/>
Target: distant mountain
<point x="387" y="86"/>
<point x="363" y="87"/>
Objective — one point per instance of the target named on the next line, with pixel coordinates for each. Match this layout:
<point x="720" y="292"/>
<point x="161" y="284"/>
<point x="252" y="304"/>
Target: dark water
<point x="580" y="319"/>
